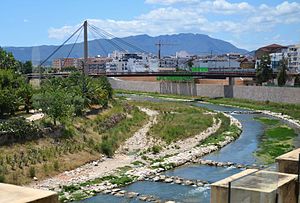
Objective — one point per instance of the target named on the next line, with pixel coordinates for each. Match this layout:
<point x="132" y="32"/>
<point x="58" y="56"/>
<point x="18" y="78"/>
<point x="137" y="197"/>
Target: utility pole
<point x="159" y="45"/>
<point x="85" y="67"/>
<point x="159" y="53"/>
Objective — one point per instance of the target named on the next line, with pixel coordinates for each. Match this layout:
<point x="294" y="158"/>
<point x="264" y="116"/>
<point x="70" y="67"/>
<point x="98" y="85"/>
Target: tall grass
<point x="177" y="121"/>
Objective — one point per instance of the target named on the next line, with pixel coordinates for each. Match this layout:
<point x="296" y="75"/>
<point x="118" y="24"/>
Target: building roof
<point x="272" y="47"/>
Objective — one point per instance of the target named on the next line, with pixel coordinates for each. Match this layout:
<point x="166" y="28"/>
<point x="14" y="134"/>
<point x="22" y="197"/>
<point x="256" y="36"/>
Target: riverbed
<point x="240" y="151"/>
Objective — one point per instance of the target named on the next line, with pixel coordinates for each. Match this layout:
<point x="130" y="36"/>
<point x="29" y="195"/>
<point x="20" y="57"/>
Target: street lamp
<point x="228" y="61"/>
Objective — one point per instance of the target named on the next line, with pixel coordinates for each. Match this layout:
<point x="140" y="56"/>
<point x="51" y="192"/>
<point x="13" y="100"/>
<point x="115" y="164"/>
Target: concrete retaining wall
<point x="273" y="94"/>
<point x="135" y="85"/>
<point x="210" y="90"/>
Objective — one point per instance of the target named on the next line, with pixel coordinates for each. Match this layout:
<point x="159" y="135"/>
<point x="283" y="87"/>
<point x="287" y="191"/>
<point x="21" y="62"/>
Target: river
<point x="240" y="151"/>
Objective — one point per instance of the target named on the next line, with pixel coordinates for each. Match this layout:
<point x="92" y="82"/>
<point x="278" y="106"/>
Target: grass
<point x="267" y="121"/>
<point x="70" y="147"/>
<point x="177" y="121"/>
<point x="154" y="94"/>
<point x="225" y="130"/>
<point x="113" y="137"/>
<point x="292" y="110"/>
<point x="275" y="142"/>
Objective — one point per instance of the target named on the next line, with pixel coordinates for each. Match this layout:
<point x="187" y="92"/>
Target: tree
<point x="190" y="64"/>
<point x="264" y="71"/>
<point x="11" y="98"/>
<point x="282" y="75"/>
<point x="26" y="67"/>
<point x="55" y="103"/>
<point x="7" y="61"/>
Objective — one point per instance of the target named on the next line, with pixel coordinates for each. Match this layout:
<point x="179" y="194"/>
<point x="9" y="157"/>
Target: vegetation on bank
<point x="177" y="121"/>
<point x="276" y="140"/>
<point x="225" y="130"/>
<point x="78" y="192"/>
<point x="81" y="121"/>
<point x="267" y="121"/>
<point x="80" y="141"/>
<point x="154" y="94"/>
<point x="292" y="110"/>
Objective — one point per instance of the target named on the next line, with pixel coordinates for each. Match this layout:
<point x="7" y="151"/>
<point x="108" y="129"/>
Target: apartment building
<point x="293" y="55"/>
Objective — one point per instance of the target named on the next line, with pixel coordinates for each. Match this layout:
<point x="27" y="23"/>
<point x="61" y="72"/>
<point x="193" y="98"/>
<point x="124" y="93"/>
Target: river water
<point x="240" y="151"/>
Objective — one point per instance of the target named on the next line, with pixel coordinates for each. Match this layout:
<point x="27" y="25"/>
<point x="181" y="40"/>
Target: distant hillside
<point x="192" y="43"/>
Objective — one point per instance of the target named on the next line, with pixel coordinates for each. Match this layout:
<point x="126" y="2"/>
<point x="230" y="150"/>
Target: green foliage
<point x="221" y="132"/>
<point x="264" y="71"/>
<point x="55" y="103"/>
<point x="282" y="75"/>
<point x="69" y="69"/>
<point x="275" y="142"/>
<point x="18" y="130"/>
<point x="7" y="61"/>
<point x="292" y="110"/>
<point x="26" y="67"/>
<point x="56" y="165"/>
<point x="14" y="92"/>
<point x="138" y="163"/>
<point x="32" y="172"/>
<point x="177" y="121"/>
<point x="61" y="98"/>
<point x="267" y="121"/>
<point x="156" y="149"/>
<point x="113" y="137"/>
<point x="71" y="188"/>
<point x="121" y="181"/>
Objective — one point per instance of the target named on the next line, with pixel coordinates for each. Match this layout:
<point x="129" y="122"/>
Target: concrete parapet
<point x="288" y="163"/>
<point x="256" y="186"/>
<point x="17" y="194"/>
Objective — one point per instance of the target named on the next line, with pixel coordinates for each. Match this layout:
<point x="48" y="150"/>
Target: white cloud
<point x="61" y="33"/>
<point x="25" y="20"/>
<point x="197" y="16"/>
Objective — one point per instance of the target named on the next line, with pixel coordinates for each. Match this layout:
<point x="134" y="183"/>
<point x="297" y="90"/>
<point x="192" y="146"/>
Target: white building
<point x="293" y="55"/>
<point x="129" y="62"/>
<point x="275" y="60"/>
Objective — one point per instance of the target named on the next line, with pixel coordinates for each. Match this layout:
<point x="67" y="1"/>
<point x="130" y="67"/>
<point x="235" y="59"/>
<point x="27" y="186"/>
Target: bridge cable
<point x="109" y="41"/>
<point x="58" y="48"/>
<point x="98" y="42"/>
<point x="121" y="40"/>
<point x="73" y="46"/>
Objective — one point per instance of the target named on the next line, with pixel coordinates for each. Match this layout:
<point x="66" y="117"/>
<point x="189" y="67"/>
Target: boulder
<point x="168" y="180"/>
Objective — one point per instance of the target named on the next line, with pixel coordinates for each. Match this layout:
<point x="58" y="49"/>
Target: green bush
<point x="32" y="171"/>
<point x="106" y="148"/>
<point x="18" y="130"/>
<point x="56" y="165"/>
<point x="156" y="149"/>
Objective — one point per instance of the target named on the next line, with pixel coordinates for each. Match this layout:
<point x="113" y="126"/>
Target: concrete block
<point x="18" y="194"/>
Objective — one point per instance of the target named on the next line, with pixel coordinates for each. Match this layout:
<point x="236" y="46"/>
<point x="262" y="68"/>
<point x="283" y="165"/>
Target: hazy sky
<point x="247" y="24"/>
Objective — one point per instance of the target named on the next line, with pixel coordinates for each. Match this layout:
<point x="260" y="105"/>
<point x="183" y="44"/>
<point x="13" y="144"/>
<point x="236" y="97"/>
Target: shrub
<point x="56" y="165"/>
<point x="156" y="149"/>
<point x="32" y="171"/>
<point x="18" y="130"/>
<point x="2" y="179"/>
<point x="106" y="147"/>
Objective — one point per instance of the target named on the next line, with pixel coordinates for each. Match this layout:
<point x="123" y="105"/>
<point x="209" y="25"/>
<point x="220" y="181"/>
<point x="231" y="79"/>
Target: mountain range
<point x="191" y="43"/>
